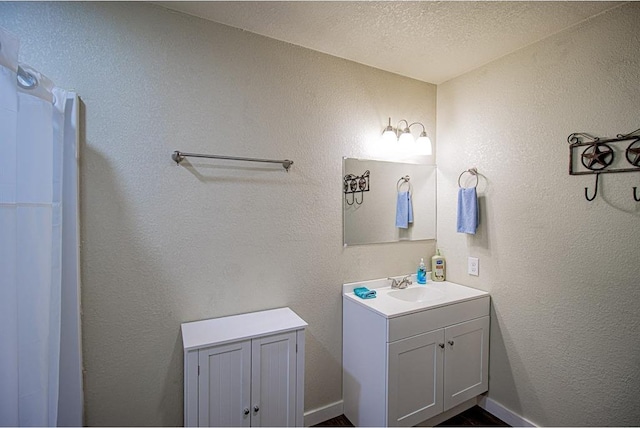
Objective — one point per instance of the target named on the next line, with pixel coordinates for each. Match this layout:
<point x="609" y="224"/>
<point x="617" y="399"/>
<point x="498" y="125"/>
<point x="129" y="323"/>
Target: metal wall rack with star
<point x="356" y="184"/>
<point x="598" y="156"/>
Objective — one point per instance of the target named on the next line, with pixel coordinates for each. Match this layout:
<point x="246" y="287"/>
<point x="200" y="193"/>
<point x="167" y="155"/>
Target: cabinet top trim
<point x="217" y="331"/>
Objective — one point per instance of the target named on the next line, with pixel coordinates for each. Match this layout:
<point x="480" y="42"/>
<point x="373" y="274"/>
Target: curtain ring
<point x="25" y="79"/>
<point x="472" y="171"/>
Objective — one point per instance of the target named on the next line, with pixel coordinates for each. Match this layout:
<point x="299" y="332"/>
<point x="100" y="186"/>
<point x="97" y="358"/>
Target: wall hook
<point x="355" y="184"/>
<point x="352" y="199"/>
<point x="595" y="193"/>
<point x="598" y="155"/>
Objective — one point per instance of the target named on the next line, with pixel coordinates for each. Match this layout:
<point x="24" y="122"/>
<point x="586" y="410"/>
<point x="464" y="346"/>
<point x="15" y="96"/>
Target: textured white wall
<point x="563" y="272"/>
<point x="164" y="244"/>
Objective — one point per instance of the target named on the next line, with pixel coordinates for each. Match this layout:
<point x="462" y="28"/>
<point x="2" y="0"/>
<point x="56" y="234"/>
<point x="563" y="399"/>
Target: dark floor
<point x="475" y="416"/>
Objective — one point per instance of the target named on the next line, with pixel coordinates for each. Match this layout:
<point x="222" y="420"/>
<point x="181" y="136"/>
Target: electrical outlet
<point x="474" y="266"/>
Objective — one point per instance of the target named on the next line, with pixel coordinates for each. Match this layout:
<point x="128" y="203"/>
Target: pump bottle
<point x="421" y="274"/>
<point x="438" y="267"/>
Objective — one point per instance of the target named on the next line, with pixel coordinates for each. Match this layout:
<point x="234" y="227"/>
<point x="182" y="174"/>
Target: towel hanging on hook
<point x="468" y="212"/>
<point x="404" y="205"/>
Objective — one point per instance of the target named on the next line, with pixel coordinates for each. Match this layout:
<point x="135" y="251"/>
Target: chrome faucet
<point x="403" y="283"/>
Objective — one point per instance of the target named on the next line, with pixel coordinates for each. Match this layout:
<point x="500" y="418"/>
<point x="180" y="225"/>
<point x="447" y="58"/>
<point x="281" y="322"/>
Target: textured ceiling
<point x="426" y="40"/>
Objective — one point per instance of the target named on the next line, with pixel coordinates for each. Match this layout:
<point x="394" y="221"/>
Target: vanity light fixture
<point x="403" y="136"/>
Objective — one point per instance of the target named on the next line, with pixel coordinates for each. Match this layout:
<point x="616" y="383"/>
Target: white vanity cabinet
<point x="401" y="368"/>
<point x="244" y="370"/>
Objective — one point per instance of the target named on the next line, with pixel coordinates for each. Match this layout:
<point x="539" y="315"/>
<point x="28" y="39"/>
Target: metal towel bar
<point x="179" y="156"/>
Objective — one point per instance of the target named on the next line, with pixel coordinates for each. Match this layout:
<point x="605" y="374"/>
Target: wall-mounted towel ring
<point x="472" y="171"/>
<point x="406" y="179"/>
<point x="404" y="207"/>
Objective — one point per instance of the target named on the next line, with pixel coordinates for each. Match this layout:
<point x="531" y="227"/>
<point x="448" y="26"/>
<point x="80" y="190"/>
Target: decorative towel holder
<point x="355" y="184"/>
<point x="598" y="156"/>
<point x="406" y="179"/>
<point x="472" y="171"/>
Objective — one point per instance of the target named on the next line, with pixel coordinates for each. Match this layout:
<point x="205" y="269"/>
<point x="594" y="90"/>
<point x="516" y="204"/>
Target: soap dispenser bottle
<point x="421" y="274"/>
<point x="438" y="267"/>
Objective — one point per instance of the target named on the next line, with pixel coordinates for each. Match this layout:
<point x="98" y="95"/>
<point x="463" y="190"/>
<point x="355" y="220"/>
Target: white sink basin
<point x="417" y="294"/>
<point x="391" y="302"/>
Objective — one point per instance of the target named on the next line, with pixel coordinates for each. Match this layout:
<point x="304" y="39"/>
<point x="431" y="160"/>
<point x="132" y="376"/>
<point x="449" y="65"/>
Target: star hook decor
<point x="355" y="184"/>
<point x="633" y="153"/>
<point x="598" y="155"/>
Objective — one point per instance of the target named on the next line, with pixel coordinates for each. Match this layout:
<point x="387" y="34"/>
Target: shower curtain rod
<point x="179" y="156"/>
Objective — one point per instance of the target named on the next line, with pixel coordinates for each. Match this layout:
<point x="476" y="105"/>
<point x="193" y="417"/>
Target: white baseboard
<point x="313" y="417"/>
<point x="501" y="412"/>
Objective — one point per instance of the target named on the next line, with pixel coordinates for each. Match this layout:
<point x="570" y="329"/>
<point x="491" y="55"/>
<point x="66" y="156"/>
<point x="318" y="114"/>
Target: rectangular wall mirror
<point x="370" y="201"/>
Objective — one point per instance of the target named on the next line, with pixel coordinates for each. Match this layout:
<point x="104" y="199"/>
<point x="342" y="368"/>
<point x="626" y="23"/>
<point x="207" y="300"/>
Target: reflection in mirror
<point x="373" y="219"/>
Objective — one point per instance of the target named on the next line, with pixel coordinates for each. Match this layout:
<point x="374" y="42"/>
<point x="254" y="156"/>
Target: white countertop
<point x="217" y="331"/>
<point x="445" y="293"/>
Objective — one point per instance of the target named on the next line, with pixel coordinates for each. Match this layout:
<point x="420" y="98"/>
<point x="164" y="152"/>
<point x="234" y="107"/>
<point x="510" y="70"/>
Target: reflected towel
<point x="467" y="210"/>
<point x="364" y="293"/>
<point x="404" y="210"/>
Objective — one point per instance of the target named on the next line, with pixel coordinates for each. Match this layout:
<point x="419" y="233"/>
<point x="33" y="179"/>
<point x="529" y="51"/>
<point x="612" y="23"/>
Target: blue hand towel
<point x="364" y="293"/>
<point x="404" y="210"/>
<point x="467" y="210"/>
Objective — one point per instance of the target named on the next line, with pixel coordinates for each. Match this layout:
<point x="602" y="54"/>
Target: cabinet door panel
<point x="466" y="361"/>
<point x="224" y="388"/>
<point x="274" y="381"/>
<point x="415" y="378"/>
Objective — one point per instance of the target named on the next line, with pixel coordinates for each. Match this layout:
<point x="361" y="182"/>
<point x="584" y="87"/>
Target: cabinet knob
<point x="246" y="411"/>
<point x="441" y="345"/>
<point x="451" y="342"/>
<point x="256" y="409"/>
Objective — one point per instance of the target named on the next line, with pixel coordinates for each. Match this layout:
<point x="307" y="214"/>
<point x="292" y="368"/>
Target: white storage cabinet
<point x="404" y="370"/>
<point x="244" y="370"/>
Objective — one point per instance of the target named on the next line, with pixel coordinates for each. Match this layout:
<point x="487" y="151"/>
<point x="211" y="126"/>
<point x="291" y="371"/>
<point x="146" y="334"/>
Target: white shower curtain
<point x="32" y="124"/>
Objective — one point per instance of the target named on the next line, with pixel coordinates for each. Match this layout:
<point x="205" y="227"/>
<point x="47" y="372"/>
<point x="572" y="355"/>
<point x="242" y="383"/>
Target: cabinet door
<point x="224" y="388"/>
<point x="273" y="384"/>
<point x="415" y="378"/>
<point x="466" y="361"/>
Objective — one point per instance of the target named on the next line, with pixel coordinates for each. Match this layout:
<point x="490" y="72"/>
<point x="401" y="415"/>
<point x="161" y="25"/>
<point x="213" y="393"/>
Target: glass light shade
<point x="424" y="144"/>
<point x="389" y="135"/>
<point x="406" y="137"/>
